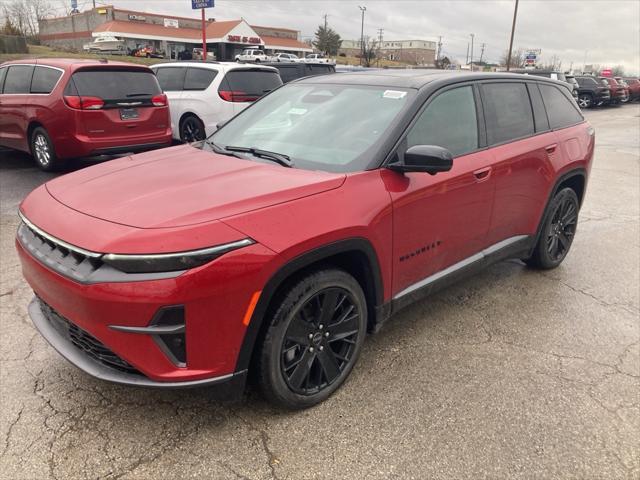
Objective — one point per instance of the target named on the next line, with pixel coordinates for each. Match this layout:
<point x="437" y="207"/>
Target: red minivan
<point x="57" y="109"/>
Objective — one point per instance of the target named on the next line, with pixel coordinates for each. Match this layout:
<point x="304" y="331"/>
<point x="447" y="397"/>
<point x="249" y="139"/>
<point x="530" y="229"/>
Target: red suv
<point x="304" y="222"/>
<point x="619" y="93"/>
<point x="63" y="108"/>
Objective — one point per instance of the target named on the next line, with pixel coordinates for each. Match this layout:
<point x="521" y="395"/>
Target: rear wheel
<point x="314" y="339"/>
<point x="585" y="100"/>
<point x="557" y="232"/>
<point x="42" y="150"/>
<point x="192" y="129"/>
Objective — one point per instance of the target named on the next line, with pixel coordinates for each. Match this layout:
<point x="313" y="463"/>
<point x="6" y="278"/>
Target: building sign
<point x="531" y="57"/>
<point x="171" y="22"/>
<point x="607" y="72"/>
<point x="241" y="39"/>
<point x="137" y="18"/>
<point x="197" y="4"/>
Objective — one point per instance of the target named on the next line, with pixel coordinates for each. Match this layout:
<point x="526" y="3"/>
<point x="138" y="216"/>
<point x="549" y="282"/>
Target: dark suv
<point x="269" y="250"/>
<point x="293" y="71"/>
<point x="552" y="74"/>
<point x="592" y="92"/>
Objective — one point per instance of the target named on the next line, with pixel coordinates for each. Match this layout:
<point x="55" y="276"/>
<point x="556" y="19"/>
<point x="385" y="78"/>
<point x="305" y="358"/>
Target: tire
<point x="585" y="100"/>
<point x="42" y="150"/>
<point x="305" y="355"/>
<point x="192" y="129"/>
<point x="257" y="60"/>
<point x="557" y="232"/>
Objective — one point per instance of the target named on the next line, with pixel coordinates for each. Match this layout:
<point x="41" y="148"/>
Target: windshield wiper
<point x="280" y="158"/>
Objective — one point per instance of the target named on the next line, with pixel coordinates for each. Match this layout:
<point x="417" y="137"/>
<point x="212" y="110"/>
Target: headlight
<point x="170" y="262"/>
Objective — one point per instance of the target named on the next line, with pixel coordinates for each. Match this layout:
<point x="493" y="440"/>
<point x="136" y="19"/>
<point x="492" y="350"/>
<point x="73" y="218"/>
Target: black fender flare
<point x="296" y="264"/>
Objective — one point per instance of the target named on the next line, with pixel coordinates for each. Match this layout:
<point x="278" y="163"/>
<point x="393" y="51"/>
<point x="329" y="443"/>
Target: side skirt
<point x="514" y="247"/>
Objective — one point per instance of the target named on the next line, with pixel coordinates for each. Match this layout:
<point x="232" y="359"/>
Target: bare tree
<point x="369" y="51"/>
<point x="517" y="58"/>
<point x="25" y="14"/>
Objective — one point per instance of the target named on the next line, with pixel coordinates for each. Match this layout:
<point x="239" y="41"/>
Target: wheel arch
<point x="355" y="255"/>
<point x="575" y="179"/>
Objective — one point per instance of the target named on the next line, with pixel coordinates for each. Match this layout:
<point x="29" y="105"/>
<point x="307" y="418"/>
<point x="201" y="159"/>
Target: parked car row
<point x="58" y="109"/>
<point x="256" y="55"/>
<point x="592" y="91"/>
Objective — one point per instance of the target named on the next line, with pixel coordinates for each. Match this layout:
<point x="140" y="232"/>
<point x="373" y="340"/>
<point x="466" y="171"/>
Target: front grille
<point x="84" y="341"/>
<point x="63" y="258"/>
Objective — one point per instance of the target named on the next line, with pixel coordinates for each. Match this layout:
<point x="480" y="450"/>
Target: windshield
<point x="320" y="127"/>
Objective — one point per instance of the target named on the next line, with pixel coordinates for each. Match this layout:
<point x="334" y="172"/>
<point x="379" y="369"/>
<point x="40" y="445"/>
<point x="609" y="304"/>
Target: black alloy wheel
<point x="192" y="129"/>
<point x="558" y="231"/>
<point x="314" y="339"/>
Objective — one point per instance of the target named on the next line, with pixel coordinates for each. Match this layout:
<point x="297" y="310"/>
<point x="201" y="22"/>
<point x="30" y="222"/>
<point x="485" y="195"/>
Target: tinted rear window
<point x="288" y="72"/>
<point x="562" y="112"/>
<point x="18" y="79"/>
<point x="44" y="79"/>
<point x="171" y="79"/>
<point x="508" y="111"/>
<point x="116" y="84"/>
<point x="252" y="82"/>
<point x="199" y="78"/>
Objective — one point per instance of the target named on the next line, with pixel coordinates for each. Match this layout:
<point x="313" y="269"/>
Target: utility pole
<point x="362" y="9"/>
<point x="471" y="65"/>
<point x="467" y="60"/>
<point x="513" y="29"/>
<point x="439" y="49"/>
<point x="482" y="52"/>
<point x="380" y="32"/>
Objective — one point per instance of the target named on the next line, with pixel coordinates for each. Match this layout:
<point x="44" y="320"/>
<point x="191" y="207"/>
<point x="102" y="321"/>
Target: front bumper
<point x="55" y="331"/>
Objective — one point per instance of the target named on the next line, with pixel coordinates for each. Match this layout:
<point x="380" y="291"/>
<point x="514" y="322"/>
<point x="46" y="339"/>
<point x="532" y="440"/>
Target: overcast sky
<point x="608" y="31"/>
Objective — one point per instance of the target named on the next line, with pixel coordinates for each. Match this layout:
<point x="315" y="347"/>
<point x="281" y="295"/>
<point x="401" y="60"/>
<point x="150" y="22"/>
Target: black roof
<point x="412" y="78"/>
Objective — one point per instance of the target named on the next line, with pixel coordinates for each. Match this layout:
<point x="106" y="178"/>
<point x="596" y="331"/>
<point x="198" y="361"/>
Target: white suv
<point x="285" y="57"/>
<point x="201" y="95"/>
<point x="318" y="58"/>
<point x="252" y="55"/>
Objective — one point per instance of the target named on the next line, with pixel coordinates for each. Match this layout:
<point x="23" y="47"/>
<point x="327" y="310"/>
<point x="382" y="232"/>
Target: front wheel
<point x="558" y="231"/>
<point x="313" y="340"/>
<point x="42" y="150"/>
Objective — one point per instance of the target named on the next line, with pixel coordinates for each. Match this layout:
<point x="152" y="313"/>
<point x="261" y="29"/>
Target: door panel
<point x="441" y="219"/>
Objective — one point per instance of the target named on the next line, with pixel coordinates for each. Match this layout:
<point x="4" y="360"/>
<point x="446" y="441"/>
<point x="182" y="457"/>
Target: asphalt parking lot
<point x="511" y="374"/>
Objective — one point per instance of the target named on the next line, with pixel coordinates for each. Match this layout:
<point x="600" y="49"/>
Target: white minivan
<point x="203" y="94"/>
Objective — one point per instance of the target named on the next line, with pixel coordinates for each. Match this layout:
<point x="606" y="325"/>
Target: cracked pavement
<point x="513" y="373"/>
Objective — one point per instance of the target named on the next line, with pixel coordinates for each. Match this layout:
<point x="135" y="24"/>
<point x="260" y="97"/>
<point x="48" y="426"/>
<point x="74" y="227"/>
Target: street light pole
<point x="513" y="29"/>
<point x="472" y="35"/>
<point x="362" y="9"/>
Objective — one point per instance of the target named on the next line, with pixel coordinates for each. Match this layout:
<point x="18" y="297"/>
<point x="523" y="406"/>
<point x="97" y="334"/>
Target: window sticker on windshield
<point x="297" y="111"/>
<point x="394" y="94"/>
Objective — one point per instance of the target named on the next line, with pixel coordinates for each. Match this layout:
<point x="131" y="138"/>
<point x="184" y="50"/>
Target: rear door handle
<point x="551" y="148"/>
<point x="482" y="174"/>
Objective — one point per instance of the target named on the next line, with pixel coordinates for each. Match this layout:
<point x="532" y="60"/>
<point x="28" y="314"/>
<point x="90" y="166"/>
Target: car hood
<point x="183" y="185"/>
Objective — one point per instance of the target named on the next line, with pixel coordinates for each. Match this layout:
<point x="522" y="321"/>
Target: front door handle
<point x="482" y="174"/>
<point x="551" y="148"/>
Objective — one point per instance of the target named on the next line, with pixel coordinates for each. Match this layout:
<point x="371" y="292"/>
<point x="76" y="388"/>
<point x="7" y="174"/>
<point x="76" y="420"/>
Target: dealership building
<point x="167" y="33"/>
<point x="417" y="52"/>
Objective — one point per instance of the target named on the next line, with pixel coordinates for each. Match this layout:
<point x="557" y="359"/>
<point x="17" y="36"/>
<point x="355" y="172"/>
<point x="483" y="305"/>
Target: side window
<point x="199" y="78"/>
<point x="18" y="79"/>
<point x="288" y="73"/>
<point x="3" y="73"/>
<point x="44" y="79"/>
<point x="539" y="113"/>
<point x="561" y="111"/>
<point x="171" y="79"/>
<point x="449" y="121"/>
<point x="507" y="112"/>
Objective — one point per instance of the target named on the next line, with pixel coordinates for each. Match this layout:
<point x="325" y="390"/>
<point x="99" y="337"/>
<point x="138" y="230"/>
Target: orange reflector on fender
<point x="252" y="306"/>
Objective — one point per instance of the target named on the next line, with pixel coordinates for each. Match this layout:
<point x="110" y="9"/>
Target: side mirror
<point x="424" y="158"/>
<point x="221" y="124"/>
